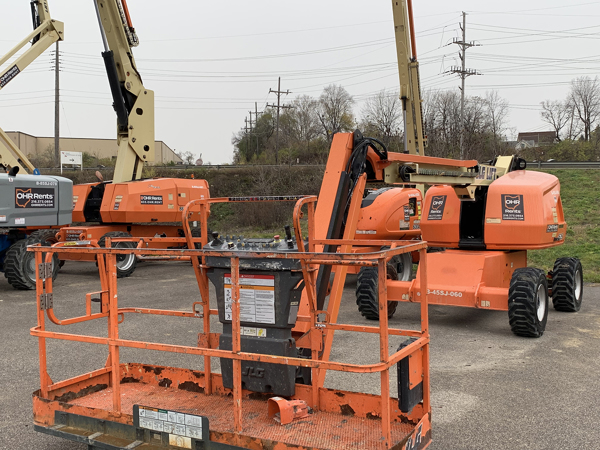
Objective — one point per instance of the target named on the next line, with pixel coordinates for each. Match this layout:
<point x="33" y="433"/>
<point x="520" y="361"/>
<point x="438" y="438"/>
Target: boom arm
<point x="46" y="32"/>
<point x="408" y="71"/>
<point x="133" y="103"/>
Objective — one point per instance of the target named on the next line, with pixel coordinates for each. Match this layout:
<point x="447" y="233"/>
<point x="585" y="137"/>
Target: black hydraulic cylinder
<point x="334" y="231"/>
<point x="115" y="89"/>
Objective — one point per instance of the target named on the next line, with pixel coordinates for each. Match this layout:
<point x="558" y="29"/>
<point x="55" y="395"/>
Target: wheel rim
<point x="541" y="302"/>
<point x="578" y="284"/>
<point x="400" y="270"/>
<point x="125" y="262"/>
<point x="29" y="266"/>
<point x="403" y="270"/>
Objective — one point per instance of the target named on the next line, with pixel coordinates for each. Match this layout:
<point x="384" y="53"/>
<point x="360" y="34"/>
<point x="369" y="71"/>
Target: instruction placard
<point x="257" y="298"/>
<point x="182" y="428"/>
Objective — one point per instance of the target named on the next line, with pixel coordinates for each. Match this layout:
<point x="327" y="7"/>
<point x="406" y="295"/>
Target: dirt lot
<point x="490" y="389"/>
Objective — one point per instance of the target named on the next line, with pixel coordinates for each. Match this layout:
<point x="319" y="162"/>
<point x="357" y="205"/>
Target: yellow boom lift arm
<point x="133" y="103"/>
<point x="46" y="32"/>
<point x="408" y="71"/>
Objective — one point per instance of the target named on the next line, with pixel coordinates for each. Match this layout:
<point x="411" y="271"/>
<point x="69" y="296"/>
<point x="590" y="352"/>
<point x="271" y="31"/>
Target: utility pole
<point x="256" y="119"/>
<point x="278" y="106"/>
<point x="57" y="107"/>
<point x="250" y="138"/>
<point x="245" y="129"/>
<point x="256" y="113"/>
<point x="463" y="73"/>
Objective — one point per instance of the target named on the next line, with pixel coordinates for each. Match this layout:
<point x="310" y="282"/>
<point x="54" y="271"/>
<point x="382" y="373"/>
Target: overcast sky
<point x="209" y="62"/>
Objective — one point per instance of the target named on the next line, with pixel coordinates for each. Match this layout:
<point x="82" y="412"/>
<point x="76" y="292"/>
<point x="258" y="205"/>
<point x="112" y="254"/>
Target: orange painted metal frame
<point x="319" y="337"/>
<point x="473" y="279"/>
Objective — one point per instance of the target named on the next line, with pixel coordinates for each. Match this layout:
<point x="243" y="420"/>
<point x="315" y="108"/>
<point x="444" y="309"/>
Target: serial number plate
<point x="444" y="293"/>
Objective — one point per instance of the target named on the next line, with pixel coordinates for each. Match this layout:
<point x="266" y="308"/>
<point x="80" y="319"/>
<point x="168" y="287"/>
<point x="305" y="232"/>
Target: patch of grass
<point x="581" y="204"/>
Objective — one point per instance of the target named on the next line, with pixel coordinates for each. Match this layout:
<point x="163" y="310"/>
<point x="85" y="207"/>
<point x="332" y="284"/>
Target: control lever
<point x="216" y="241"/>
<point x="288" y="237"/>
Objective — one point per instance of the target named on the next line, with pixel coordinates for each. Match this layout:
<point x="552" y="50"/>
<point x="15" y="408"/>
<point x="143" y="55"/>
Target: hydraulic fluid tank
<point x="35" y="201"/>
<point x="148" y="201"/>
<point x="524" y="211"/>
<point x="441" y="217"/>
<point x="390" y="213"/>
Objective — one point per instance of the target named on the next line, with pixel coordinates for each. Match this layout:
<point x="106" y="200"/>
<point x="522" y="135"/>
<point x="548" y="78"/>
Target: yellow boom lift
<point x="46" y="32"/>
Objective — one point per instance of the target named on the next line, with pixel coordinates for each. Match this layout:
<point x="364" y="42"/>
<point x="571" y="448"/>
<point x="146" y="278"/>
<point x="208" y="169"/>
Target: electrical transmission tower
<point x="279" y="106"/>
<point x="463" y="73"/>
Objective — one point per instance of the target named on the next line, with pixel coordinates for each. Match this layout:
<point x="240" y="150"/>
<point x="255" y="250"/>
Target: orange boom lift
<point x="481" y="219"/>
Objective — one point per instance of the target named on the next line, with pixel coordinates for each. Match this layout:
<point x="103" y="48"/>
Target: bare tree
<point x="442" y="123"/>
<point x="383" y="115"/>
<point x="429" y="110"/>
<point x="335" y="111"/>
<point x="475" y="126"/>
<point x="557" y="114"/>
<point x="187" y="157"/>
<point x="585" y="98"/>
<point x="301" y="123"/>
<point x="573" y="128"/>
<point x="497" y="112"/>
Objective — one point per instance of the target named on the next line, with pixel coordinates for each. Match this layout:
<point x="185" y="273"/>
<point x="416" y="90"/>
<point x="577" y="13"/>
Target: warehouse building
<point x="33" y="146"/>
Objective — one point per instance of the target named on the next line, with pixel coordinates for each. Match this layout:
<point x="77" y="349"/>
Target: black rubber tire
<point x="528" y="302"/>
<point x="126" y="264"/>
<point x="567" y="284"/>
<point x="367" y="292"/>
<point x="19" y="264"/>
<point x="47" y="237"/>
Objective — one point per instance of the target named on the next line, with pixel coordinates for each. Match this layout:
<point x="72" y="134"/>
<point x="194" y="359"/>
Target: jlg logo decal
<point x="436" y="210"/>
<point x="512" y="207"/>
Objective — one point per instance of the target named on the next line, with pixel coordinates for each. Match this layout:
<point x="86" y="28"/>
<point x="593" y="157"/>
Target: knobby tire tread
<point x="367" y="294"/>
<point x="563" y="285"/>
<point x="522" y="308"/>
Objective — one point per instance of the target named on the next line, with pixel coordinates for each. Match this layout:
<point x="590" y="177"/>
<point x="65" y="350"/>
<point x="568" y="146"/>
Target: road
<point x="490" y="389"/>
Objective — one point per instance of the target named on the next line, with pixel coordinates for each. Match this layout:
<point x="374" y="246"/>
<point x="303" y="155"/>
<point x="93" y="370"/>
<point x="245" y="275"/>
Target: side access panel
<point x="475" y="279"/>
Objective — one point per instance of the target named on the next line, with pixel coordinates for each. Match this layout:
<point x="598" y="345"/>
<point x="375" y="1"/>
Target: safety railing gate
<point x="144" y="406"/>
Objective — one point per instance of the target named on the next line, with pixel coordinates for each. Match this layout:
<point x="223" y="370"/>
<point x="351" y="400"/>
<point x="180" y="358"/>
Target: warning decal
<point x="151" y="199"/>
<point x="512" y="207"/>
<point x="34" y="198"/>
<point x="182" y="427"/>
<point x="436" y="210"/>
<point x="257" y="298"/>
